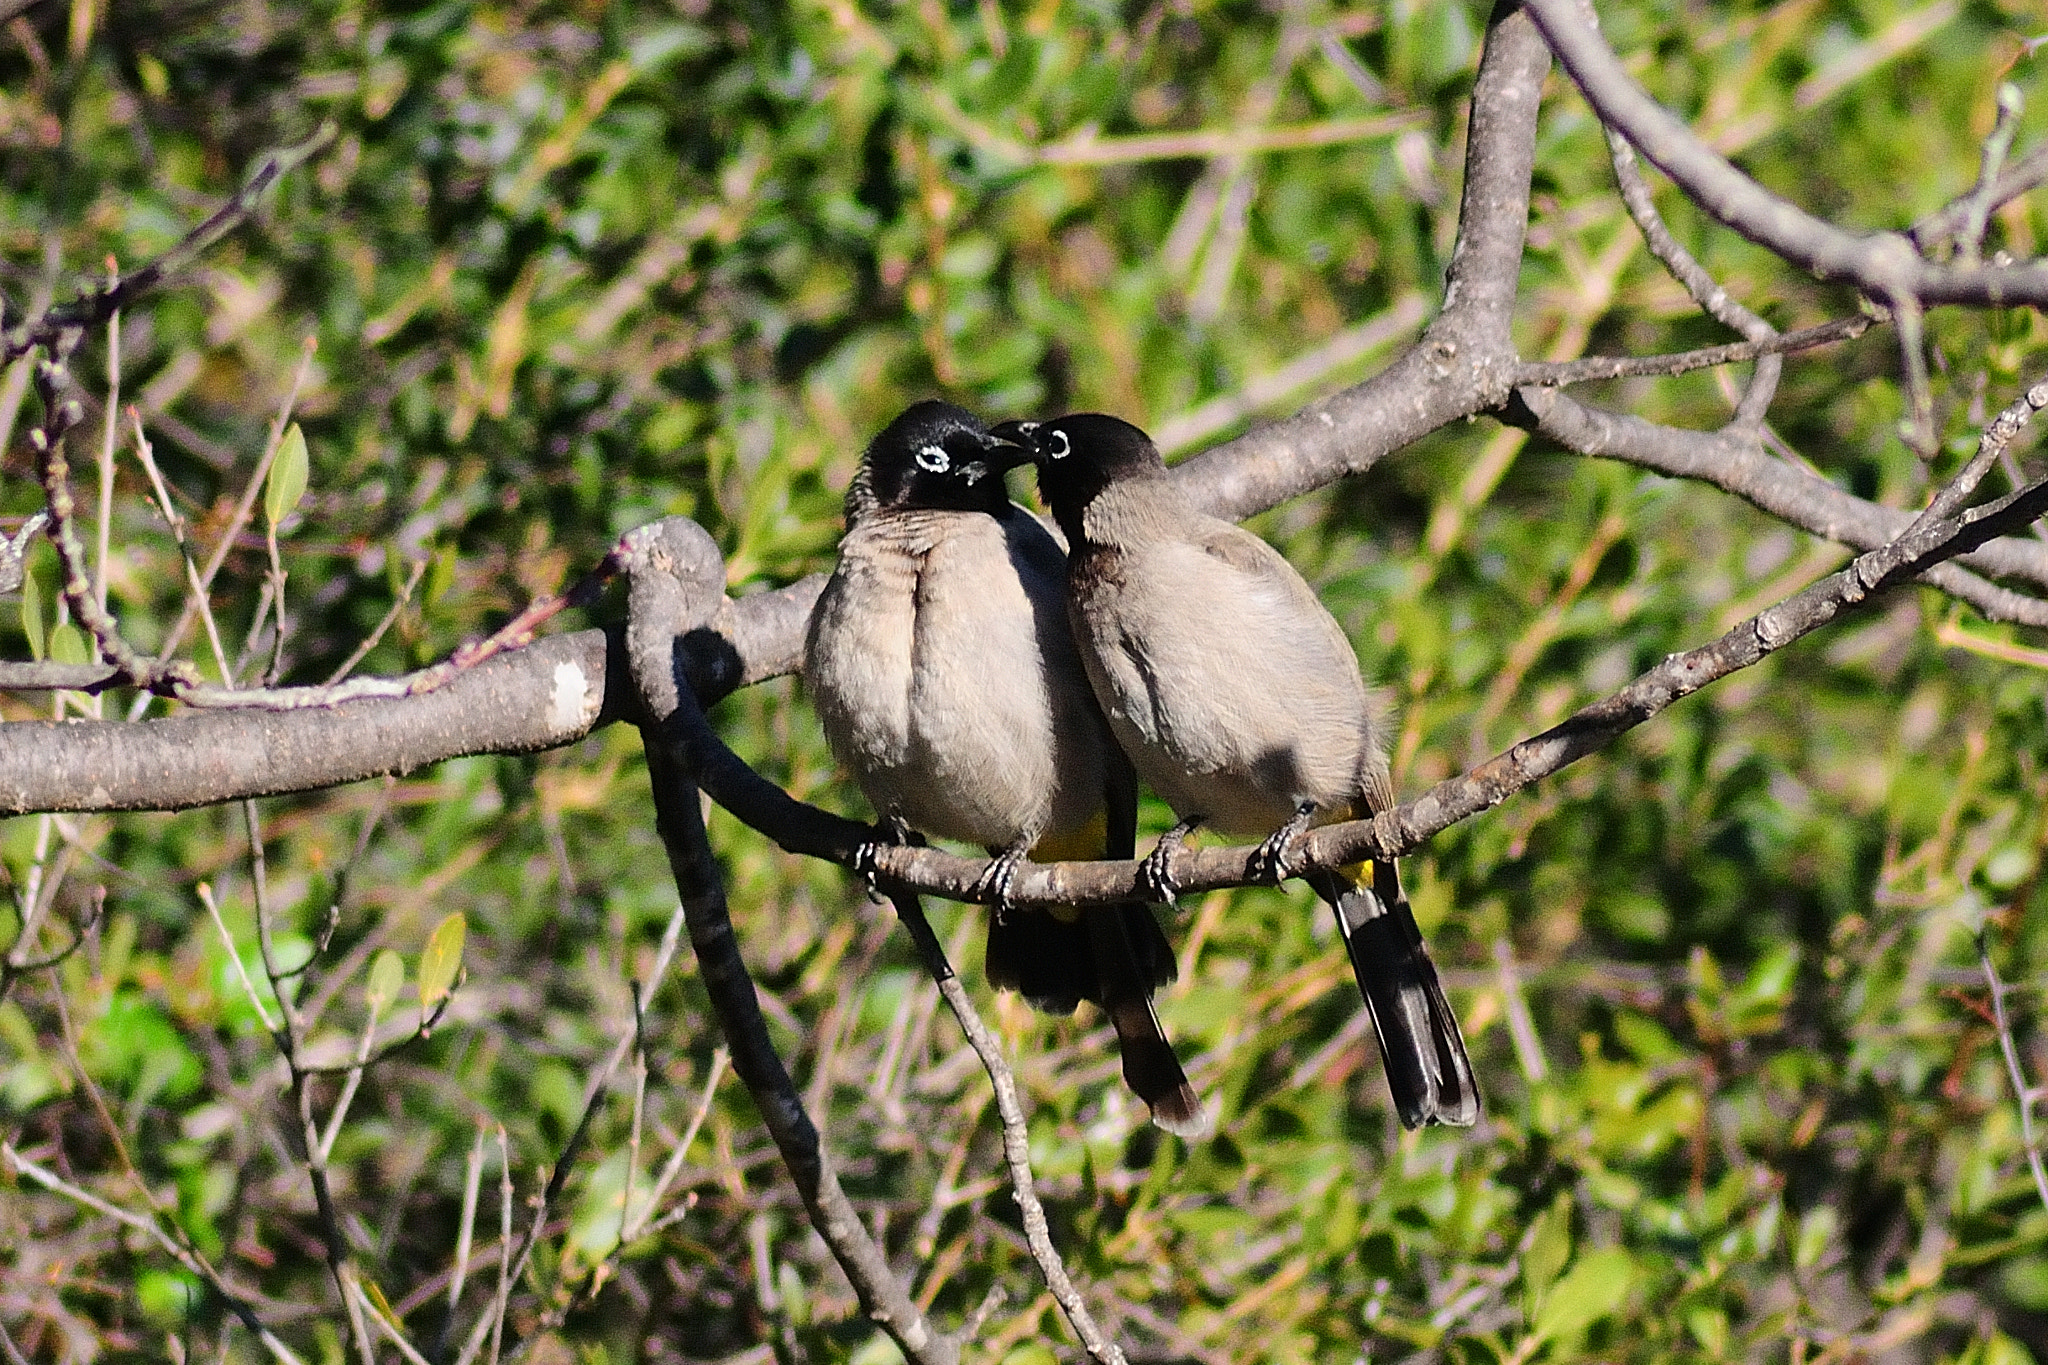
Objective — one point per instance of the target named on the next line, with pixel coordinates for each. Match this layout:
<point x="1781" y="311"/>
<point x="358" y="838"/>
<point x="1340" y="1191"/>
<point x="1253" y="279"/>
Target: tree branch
<point x="1558" y="373"/>
<point x="93" y="308"/>
<point x="1736" y="462"/>
<point x="676" y="582"/>
<point x="1884" y="264"/>
<point x="1464" y="362"/>
<point x="1016" y="1136"/>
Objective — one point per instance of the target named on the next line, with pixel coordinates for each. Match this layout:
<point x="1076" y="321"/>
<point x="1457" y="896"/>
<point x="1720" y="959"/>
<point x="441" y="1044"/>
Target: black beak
<point x="1015" y="439"/>
<point x="1010" y="444"/>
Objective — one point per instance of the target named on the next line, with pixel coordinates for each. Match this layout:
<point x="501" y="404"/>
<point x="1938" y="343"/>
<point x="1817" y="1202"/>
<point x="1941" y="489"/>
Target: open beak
<point x="1012" y="445"/>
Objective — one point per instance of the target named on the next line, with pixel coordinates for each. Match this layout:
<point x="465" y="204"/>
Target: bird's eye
<point x="934" y="458"/>
<point x="1064" y="448"/>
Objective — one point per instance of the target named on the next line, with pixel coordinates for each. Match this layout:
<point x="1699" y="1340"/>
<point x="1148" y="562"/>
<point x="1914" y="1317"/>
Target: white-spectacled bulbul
<point x="944" y="672"/>
<point x="1238" y="697"/>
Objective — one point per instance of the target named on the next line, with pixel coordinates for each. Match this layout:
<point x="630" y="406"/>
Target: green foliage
<point x="572" y="266"/>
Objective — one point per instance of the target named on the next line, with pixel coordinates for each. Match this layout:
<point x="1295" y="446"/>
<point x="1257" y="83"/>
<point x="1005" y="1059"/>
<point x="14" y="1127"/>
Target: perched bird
<point x="942" y="668"/>
<point x="1238" y="697"/>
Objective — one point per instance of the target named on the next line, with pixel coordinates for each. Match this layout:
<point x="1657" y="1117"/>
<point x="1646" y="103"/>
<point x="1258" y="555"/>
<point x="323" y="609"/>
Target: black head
<point x="1081" y="454"/>
<point x="936" y="455"/>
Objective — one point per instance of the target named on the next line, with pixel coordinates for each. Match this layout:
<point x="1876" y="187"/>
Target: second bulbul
<point x="1238" y="698"/>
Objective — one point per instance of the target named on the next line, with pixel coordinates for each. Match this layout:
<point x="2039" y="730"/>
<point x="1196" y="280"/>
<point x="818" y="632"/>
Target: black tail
<point x="1420" y="1044"/>
<point x="1114" y="957"/>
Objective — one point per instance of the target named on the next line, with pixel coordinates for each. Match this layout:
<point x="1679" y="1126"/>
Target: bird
<point x="943" y="672"/>
<point x="1238" y="698"/>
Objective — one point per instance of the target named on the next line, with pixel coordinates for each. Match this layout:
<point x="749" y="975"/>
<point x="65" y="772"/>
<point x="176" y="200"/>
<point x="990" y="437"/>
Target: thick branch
<point x="546" y="695"/>
<point x="1465" y="360"/>
<point x="676" y="580"/>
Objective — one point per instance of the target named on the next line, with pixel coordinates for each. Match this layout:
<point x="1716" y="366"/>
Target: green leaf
<point x="1816" y="1231"/>
<point x="1550" y="1246"/>
<point x="287" y="482"/>
<point x="441" y="961"/>
<point x="387" y="974"/>
<point x="68" y="645"/>
<point x="1709" y="1327"/>
<point x="1594" y="1287"/>
<point x="32" y="614"/>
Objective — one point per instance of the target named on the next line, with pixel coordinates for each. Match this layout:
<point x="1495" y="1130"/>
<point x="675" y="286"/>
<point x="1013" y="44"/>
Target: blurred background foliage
<point x="571" y="266"/>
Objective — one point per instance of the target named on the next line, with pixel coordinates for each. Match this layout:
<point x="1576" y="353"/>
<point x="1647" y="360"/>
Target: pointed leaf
<point x="68" y="645"/>
<point x="441" y="961"/>
<point x="32" y="615"/>
<point x="387" y="975"/>
<point x="287" y="481"/>
<point x="1596" y="1285"/>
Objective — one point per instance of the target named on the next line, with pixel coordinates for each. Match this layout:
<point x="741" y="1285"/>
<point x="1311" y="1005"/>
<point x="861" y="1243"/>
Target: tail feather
<point x="1428" y="1069"/>
<point x="1113" y="957"/>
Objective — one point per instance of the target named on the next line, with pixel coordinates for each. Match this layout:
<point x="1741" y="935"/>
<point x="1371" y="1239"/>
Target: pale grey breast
<point x="927" y="662"/>
<point x="1232" y="688"/>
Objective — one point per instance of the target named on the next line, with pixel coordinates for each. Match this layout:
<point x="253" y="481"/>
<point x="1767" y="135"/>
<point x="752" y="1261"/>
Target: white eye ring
<point x="1066" y="447"/>
<point x="933" y="458"/>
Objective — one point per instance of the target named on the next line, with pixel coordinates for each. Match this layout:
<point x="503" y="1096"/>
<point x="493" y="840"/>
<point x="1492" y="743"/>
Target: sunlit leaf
<point x="286" y="484"/>
<point x="441" y="960"/>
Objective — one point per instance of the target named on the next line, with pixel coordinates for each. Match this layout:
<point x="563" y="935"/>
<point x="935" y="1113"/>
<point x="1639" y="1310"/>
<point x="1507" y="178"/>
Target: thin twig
<point x="369" y="642"/>
<point x="1016" y="1135"/>
<point x="2022" y="1094"/>
<point x="1715" y="301"/>
<point x="1558" y="373"/>
<point x="673" y="1170"/>
<point x="1977" y="207"/>
<point x="1947" y="223"/>
<point x="56" y="1184"/>
<point x="205" y="891"/>
<point x="106" y="516"/>
<point x="1086" y="147"/>
<point x="1992" y="445"/>
<point x="91" y="309"/>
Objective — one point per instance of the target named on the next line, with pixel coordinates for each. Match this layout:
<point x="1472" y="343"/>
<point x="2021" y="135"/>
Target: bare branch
<point x="1736" y="463"/>
<point x="1884" y="264"/>
<point x="1016" y="1137"/>
<point x="1629" y="366"/>
<point x="676" y="584"/>
<point x="549" y="694"/>
<point x="1464" y="362"/>
<point x="2023" y="1095"/>
<point x="91" y="309"/>
<point x="1950" y="222"/>
<point x="1706" y="291"/>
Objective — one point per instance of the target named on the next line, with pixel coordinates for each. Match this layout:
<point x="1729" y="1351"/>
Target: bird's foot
<point x="1269" y="860"/>
<point x="994" y="884"/>
<point x="1156" y="872"/>
<point x="892" y="832"/>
